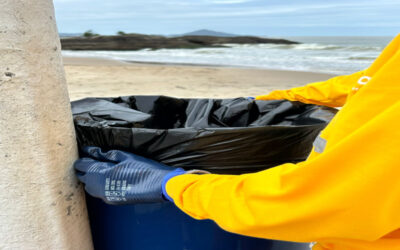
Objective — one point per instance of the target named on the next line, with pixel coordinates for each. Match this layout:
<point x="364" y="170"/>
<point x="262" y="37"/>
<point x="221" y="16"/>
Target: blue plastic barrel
<point x="163" y="226"/>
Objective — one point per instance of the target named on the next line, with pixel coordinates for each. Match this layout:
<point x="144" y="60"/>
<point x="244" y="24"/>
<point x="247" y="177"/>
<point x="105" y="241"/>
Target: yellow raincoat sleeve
<point x="351" y="191"/>
<point x="332" y="93"/>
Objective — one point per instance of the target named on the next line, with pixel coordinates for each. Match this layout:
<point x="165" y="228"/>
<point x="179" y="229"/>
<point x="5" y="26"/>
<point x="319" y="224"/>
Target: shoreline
<point x="87" y="61"/>
<point x="101" y="77"/>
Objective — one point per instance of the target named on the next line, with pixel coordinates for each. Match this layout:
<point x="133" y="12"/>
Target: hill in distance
<point x="70" y="34"/>
<point x="205" y="32"/>
<point x="202" y="32"/>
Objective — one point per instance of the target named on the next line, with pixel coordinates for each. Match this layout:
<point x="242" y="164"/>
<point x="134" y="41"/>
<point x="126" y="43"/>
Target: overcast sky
<point x="255" y="17"/>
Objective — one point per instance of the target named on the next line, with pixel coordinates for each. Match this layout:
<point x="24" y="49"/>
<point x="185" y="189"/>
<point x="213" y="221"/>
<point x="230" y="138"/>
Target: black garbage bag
<point x="228" y="136"/>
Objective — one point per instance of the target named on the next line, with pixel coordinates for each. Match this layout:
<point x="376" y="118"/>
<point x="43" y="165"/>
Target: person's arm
<point x="351" y="191"/>
<point x="332" y="93"/>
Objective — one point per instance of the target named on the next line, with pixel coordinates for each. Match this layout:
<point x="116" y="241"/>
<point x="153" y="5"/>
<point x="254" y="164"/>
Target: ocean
<point x="336" y="55"/>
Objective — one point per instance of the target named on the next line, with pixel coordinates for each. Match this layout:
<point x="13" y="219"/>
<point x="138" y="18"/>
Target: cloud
<point x="322" y="11"/>
<point x="172" y="16"/>
<point x="67" y="1"/>
<point x="228" y="1"/>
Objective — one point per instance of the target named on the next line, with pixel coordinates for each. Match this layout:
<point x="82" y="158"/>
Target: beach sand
<point x="96" y="77"/>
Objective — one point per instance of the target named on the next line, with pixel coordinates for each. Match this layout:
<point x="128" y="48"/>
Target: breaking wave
<point x="366" y="58"/>
<point x="330" y="55"/>
<point x="309" y="46"/>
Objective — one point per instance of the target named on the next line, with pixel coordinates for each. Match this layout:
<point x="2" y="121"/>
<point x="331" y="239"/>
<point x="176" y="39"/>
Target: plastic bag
<point x="228" y="136"/>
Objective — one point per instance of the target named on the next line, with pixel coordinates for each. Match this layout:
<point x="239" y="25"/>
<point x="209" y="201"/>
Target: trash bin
<point x="228" y="136"/>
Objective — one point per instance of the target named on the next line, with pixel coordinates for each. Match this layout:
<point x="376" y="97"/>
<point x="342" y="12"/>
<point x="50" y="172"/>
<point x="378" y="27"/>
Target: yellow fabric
<point x="332" y="93"/>
<point x="347" y="197"/>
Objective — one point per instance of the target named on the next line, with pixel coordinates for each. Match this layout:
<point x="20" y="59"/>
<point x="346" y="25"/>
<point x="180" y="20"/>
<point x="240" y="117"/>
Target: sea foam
<point x="337" y="55"/>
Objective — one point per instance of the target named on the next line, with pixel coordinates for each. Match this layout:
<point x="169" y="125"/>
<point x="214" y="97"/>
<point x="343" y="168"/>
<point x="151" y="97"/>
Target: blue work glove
<point x="118" y="177"/>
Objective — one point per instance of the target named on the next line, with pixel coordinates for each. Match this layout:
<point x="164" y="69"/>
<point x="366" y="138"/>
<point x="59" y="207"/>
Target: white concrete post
<point x="41" y="204"/>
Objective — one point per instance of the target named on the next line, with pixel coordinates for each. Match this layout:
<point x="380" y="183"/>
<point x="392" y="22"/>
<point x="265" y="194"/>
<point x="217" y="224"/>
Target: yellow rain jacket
<point x="345" y="196"/>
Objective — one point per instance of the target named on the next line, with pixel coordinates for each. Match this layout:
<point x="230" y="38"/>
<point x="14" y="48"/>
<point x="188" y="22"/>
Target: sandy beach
<point x="97" y="77"/>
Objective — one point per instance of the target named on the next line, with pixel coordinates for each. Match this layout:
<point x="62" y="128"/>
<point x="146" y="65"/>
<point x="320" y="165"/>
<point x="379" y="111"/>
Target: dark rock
<point x="138" y="41"/>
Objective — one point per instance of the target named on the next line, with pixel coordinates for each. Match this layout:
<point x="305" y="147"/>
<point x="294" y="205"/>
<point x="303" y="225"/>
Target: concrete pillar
<point x="41" y="203"/>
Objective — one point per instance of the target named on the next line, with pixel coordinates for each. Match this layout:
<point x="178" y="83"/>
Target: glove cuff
<point x="197" y="171"/>
<point x="167" y="177"/>
<point x="176" y="172"/>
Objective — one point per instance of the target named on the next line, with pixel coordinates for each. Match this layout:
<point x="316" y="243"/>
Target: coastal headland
<point x="140" y="41"/>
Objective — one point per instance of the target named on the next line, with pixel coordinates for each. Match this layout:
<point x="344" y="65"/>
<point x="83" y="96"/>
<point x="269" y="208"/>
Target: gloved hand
<point x="119" y="177"/>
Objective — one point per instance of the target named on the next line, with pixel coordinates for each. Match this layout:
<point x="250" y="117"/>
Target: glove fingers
<point x="117" y="156"/>
<point x="81" y="177"/>
<point x="111" y="155"/>
<point x="86" y="165"/>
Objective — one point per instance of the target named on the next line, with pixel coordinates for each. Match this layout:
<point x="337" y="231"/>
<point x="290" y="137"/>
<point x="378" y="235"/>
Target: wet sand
<point x="96" y="77"/>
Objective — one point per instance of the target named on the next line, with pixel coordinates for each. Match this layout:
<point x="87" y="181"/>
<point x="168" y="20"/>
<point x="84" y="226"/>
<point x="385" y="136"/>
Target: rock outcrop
<point x="139" y="41"/>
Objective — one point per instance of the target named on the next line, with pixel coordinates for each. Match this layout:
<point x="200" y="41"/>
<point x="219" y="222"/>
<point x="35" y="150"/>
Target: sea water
<point x="337" y="55"/>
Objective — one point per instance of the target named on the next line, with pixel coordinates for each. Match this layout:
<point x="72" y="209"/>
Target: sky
<point x="245" y="17"/>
